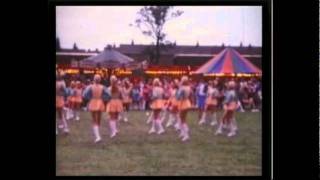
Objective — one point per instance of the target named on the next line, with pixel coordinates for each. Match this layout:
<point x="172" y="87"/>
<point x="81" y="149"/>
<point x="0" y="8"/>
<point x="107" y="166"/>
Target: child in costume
<point x="184" y="94"/>
<point x="229" y="105"/>
<point x="173" y="105"/>
<point x="96" y="94"/>
<point x="156" y="105"/>
<point x="77" y="99"/>
<point x="126" y="98"/>
<point x="61" y="92"/>
<point x="114" y="106"/>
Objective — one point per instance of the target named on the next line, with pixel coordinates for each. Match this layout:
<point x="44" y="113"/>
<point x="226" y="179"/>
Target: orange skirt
<point x="173" y="102"/>
<point x="127" y="100"/>
<point x="184" y="104"/>
<point x="114" y="105"/>
<point x="59" y="102"/>
<point x="96" y="105"/>
<point x="77" y="99"/>
<point x="211" y="101"/>
<point x="157" y="104"/>
<point x="232" y="106"/>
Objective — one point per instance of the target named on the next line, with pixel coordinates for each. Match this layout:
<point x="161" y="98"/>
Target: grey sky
<point x="95" y="26"/>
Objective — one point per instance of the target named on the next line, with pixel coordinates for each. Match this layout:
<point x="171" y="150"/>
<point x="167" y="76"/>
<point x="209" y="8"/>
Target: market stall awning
<point x="109" y="58"/>
<point x="228" y="61"/>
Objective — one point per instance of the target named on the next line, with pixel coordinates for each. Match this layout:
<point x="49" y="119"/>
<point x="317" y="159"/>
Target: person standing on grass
<point x="126" y="98"/>
<point x="156" y="105"/>
<point x="114" y="106"/>
<point x="184" y="95"/>
<point x="71" y="99"/>
<point x="136" y="96"/>
<point x="211" y="103"/>
<point x="77" y="99"/>
<point x="61" y="92"/>
<point x="145" y="96"/>
<point x="173" y="105"/>
<point x="96" y="94"/>
<point x="201" y="98"/>
<point x="229" y="106"/>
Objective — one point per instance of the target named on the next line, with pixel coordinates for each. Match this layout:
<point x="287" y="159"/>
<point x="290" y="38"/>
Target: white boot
<point x="203" y="118"/>
<point x="170" y="121"/>
<point x="225" y="126"/>
<point x="233" y="128"/>
<point x="214" y="119"/>
<point x="186" y="132"/>
<point x="70" y="114"/>
<point x="219" y="131"/>
<point x="96" y="133"/>
<point x="125" y="116"/>
<point x="177" y="126"/>
<point x="66" y="113"/>
<point x="77" y="115"/>
<point x="150" y="118"/>
<point x="65" y="126"/>
<point x="112" y="125"/>
<point x="234" y="124"/>
<point x="182" y="130"/>
<point x="160" y="128"/>
<point x="153" y="129"/>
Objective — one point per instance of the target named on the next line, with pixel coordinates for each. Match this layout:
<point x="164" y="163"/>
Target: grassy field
<point x="134" y="152"/>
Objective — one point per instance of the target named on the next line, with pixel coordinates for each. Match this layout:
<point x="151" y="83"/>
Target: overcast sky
<point x="94" y="27"/>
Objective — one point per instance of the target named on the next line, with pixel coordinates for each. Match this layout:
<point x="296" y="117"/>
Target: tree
<point x="151" y="21"/>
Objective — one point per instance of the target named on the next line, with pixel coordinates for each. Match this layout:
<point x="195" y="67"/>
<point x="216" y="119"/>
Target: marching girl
<point x="157" y="105"/>
<point x="77" y="99"/>
<point x="229" y="105"/>
<point x="184" y="94"/>
<point x="212" y="101"/>
<point x="173" y="105"/>
<point x="69" y="106"/>
<point x="114" y="106"/>
<point x="126" y="98"/>
<point x="96" y="94"/>
<point x="201" y="100"/>
<point x="166" y="96"/>
<point x="61" y="92"/>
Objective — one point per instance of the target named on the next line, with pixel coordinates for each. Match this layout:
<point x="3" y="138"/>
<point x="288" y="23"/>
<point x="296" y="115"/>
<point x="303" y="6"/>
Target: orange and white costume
<point x="183" y="97"/>
<point x="60" y="92"/>
<point x="96" y="102"/>
<point x="157" y="105"/>
<point x="60" y="102"/>
<point x="211" y="104"/>
<point x="173" y="102"/>
<point x="115" y="104"/>
<point x="126" y="99"/>
<point x="230" y="106"/>
<point x="78" y="95"/>
<point x="212" y="97"/>
<point x="173" y="107"/>
<point x="157" y="95"/>
<point x="184" y="100"/>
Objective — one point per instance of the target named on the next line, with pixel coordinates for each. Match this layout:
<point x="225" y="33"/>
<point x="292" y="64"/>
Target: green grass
<point x="134" y="152"/>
